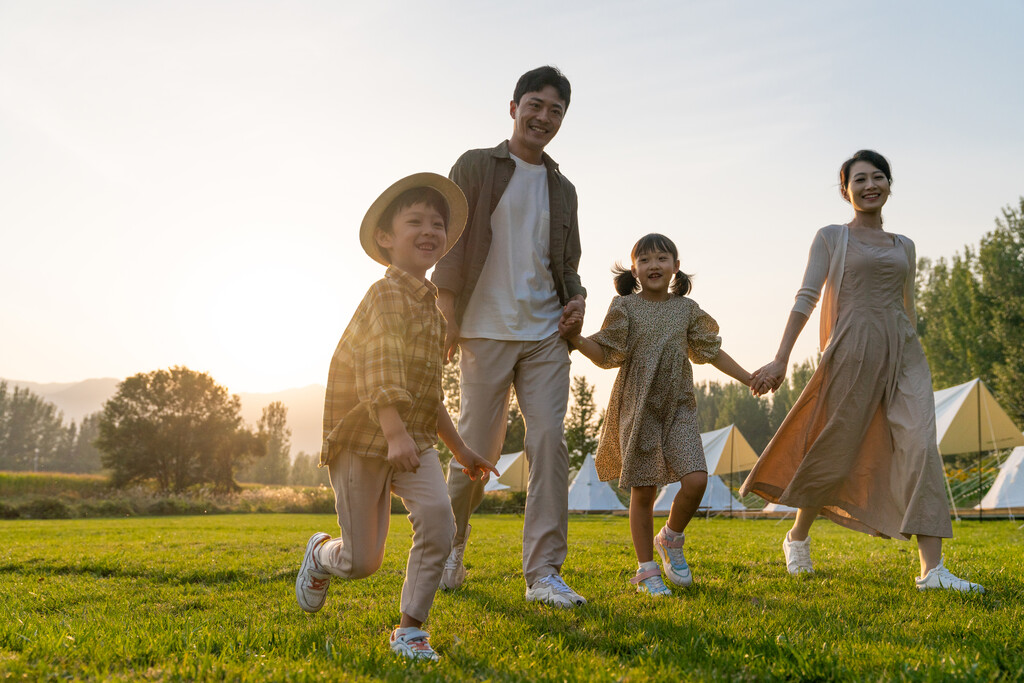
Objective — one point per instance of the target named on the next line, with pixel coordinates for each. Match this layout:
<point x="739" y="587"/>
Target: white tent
<point x="1008" y="490"/>
<point x="515" y="473"/>
<point x="717" y="497"/>
<point x="775" y="507"/>
<point x="726" y="451"/>
<point x="587" y="493"/>
<point x="493" y="485"/>
<point x="968" y="419"/>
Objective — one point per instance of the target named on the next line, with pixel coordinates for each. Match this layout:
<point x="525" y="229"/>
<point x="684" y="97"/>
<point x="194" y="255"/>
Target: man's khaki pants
<point x="362" y="491"/>
<point x="539" y="371"/>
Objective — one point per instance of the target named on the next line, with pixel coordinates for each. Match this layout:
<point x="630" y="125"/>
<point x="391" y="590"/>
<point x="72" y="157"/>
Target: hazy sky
<point x="182" y="182"/>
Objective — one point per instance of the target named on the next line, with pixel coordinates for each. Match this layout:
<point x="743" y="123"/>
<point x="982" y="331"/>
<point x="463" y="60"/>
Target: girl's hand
<point x="767" y="378"/>
<point x="473" y="464"/>
<point x="570" y="324"/>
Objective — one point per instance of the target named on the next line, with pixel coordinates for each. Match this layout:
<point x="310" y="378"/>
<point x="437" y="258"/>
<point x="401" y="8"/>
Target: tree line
<point x="178" y="427"/>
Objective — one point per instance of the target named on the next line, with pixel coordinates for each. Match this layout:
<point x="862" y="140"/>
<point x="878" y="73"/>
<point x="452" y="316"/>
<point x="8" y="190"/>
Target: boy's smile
<point x="417" y="239"/>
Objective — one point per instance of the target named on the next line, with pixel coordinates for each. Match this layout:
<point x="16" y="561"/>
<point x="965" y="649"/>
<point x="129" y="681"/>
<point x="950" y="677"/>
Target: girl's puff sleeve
<point x="702" y="341"/>
<point x="613" y="338"/>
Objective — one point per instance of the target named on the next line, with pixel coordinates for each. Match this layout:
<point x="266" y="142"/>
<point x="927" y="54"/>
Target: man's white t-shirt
<point x="515" y="298"/>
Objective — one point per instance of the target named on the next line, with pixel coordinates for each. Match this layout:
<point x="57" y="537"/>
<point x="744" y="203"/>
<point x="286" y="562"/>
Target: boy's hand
<point x="403" y="454"/>
<point x="473" y="464"/>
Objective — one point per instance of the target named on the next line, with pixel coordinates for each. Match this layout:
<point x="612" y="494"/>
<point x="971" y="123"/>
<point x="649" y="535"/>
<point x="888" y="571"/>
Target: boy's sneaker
<point x="413" y="643"/>
<point x="940" y="577"/>
<point x="672" y="558"/>
<point x="312" y="582"/>
<point x="554" y="591"/>
<point x="454" y="573"/>
<point x="798" y="555"/>
<point x="650" y="582"/>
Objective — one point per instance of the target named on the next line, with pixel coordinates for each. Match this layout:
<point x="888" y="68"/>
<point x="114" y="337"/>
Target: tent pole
<point x="980" y="385"/>
<point x="732" y="449"/>
<point x="949" y="489"/>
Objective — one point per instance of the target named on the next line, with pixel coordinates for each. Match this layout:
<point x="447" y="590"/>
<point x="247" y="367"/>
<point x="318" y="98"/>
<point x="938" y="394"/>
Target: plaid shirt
<point x="390" y="354"/>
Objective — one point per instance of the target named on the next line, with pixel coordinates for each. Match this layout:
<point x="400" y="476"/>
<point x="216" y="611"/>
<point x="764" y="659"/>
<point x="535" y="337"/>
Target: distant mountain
<point x="305" y="405"/>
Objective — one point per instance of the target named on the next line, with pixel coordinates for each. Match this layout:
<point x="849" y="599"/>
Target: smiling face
<point x="417" y="239"/>
<point x="867" y="188"/>
<point x="538" y="116"/>
<point x="654" y="271"/>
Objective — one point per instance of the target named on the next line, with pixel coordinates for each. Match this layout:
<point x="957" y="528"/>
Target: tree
<point x="32" y="431"/>
<point x="737" y="406"/>
<point x="784" y="398"/>
<point x="80" y="454"/>
<point x="274" y="466"/>
<point x="307" y="472"/>
<point x="175" y="426"/>
<point x="971" y="313"/>
<point x="582" y="424"/>
<point x="450" y="379"/>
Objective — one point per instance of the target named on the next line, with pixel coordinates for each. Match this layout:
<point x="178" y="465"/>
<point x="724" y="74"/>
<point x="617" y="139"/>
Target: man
<point x="502" y="289"/>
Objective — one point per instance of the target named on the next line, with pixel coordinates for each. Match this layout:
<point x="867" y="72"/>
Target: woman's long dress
<point x="860" y="440"/>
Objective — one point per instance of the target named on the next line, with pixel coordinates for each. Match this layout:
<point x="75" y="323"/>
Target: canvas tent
<point x="717" y="497"/>
<point x="587" y="493"/>
<point x="968" y="419"/>
<point x="1008" y="490"/>
<point x="726" y="451"/>
<point x="515" y="473"/>
<point x="775" y="507"/>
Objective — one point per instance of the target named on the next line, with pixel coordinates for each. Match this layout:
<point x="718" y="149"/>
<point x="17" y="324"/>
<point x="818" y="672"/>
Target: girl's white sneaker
<point x="649" y="581"/>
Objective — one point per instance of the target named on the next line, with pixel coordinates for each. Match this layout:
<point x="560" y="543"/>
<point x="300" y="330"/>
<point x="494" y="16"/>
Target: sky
<point x="181" y="183"/>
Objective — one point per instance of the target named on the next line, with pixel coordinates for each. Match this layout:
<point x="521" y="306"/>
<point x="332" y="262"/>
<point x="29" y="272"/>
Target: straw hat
<point x="458" y="210"/>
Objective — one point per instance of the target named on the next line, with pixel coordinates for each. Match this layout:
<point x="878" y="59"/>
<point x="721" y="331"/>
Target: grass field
<point x="212" y="598"/>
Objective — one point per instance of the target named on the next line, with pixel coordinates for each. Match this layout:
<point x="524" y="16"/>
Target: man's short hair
<point x="537" y="79"/>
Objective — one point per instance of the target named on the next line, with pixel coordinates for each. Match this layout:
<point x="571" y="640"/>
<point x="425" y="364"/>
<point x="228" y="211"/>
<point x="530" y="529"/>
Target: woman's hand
<point x="767" y="378"/>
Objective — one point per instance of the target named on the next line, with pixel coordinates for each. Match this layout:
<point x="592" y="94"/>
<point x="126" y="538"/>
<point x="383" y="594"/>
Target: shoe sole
<point x="308" y="559"/>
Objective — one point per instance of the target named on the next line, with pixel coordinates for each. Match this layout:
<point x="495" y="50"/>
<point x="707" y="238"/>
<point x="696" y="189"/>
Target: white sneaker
<point x="413" y="643"/>
<point x="798" y="555"/>
<point x="554" y="591"/>
<point x="312" y="582"/>
<point x="650" y="582"/>
<point x="454" y="574"/>
<point x="672" y="558"/>
<point x="940" y="577"/>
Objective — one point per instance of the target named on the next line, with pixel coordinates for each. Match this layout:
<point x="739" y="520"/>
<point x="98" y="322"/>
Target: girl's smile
<point x="654" y="271"/>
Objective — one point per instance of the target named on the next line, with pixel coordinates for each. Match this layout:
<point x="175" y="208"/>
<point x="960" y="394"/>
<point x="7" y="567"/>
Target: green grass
<point x="212" y="598"/>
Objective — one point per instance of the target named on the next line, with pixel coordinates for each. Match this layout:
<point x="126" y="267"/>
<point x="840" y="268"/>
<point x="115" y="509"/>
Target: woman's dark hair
<point x="625" y="283"/>
<point x="535" y="80"/>
<point x="868" y="155"/>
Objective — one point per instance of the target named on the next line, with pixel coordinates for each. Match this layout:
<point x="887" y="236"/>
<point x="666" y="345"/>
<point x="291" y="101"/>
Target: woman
<point x="859" y="445"/>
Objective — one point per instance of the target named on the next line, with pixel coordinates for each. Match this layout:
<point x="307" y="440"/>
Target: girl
<point x="650" y="435"/>
<point x="859" y="444"/>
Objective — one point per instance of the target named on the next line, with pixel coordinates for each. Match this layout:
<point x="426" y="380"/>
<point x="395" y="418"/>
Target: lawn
<point x="212" y="598"/>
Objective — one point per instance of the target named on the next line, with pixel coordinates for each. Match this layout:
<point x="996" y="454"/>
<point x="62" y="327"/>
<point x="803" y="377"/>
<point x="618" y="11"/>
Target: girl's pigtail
<point x="625" y="283"/>
<point x="681" y="284"/>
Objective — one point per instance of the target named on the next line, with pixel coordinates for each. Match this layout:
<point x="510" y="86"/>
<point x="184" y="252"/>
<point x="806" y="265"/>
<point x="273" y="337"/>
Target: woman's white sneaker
<point x="798" y="556"/>
<point x="940" y="577"/>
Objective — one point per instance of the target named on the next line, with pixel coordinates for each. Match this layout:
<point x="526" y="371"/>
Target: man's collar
<point x="501" y="152"/>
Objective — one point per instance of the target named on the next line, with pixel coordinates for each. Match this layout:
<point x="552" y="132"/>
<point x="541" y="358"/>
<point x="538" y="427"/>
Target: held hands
<point x="451" y="342"/>
<point x="473" y="465"/>
<point x="570" y="324"/>
<point x="767" y="378"/>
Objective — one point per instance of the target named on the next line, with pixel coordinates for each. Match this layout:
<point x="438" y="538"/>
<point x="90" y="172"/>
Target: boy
<point x="384" y="410"/>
